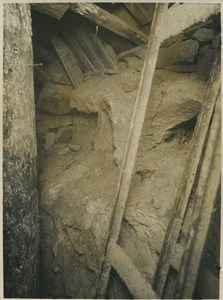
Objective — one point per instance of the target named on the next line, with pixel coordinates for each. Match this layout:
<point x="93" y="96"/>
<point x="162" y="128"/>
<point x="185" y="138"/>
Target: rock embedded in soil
<point x="64" y="134"/>
<point x="177" y="113"/>
<point x="55" y="98"/>
<point x="75" y="148"/>
<point x="184" y="51"/>
<point x="204" y="34"/>
<point x="64" y="151"/>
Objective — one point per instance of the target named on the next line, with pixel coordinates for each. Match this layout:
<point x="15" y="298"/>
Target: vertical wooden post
<point x="135" y="129"/>
<point x="20" y="197"/>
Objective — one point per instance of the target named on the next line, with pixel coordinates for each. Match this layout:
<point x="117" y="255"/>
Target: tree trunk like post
<point x="20" y="196"/>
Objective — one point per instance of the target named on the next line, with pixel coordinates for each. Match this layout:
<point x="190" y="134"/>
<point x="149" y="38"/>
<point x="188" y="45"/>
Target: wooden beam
<point x="201" y="208"/>
<point x="55" y="10"/>
<point x="133" y="139"/>
<point x="68" y="60"/>
<point x="187" y="180"/>
<point x="105" y="19"/>
<point x="137" y="285"/>
<point x="142" y="12"/>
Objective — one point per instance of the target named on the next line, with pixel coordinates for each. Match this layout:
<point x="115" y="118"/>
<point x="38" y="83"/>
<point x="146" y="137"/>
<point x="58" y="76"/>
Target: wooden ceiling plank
<point x="142" y="12"/>
<point x="55" y="10"/>
<point x="108" y="21"/>
<point x="68" y="60"/>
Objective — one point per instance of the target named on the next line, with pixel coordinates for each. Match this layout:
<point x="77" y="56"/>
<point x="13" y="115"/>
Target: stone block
<point x="54" y="98"/>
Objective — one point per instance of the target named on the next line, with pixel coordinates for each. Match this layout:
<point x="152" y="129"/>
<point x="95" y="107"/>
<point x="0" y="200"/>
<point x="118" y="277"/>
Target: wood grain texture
<point x="67" y="59"/>
<point x="108" y="21"/>
<point x="187" y="181"/>
<point x="143" y="12"/>
<point x="55" y="10"/>
<point x="137" y="285"/>
<point x="134" y="134"/>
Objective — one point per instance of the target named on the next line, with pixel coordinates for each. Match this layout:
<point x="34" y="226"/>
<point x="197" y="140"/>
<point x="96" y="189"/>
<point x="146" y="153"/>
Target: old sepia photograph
<point x="111" y="150"/>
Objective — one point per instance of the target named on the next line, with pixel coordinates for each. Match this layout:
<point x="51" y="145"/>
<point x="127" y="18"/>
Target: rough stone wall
<point x="20" y="204"/>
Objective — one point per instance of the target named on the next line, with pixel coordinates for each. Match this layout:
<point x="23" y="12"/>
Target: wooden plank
<point x="143" y="12"/>
<point x="67" y="59"/>
<point x="55" y="10"/>
<point x="108" y="21"/>
<point x="187" y="180"/>
<point x="85" y="64"/>
<point x="137" y="285"/>
<point x="133" y="139"/>
<point x="201" y="208"/>
<point x="131" y="52"/>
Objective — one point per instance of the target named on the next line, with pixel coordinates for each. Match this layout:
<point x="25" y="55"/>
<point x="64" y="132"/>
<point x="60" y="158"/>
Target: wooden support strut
<point x="55" y="10"/>
<point x="132" y="142"/>
<point x="187" y="182"/>
<point x="135" y="282"/>
<point x="108" y="21"/>
<point x="199" y="216"/>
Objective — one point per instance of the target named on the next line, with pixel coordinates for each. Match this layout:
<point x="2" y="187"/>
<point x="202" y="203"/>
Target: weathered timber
<point x="137" y="285"/>
<point x="187" y="181"/>
<point x="199" y="212"/>
<point x="87" y="48"/>
<point x="143" y="12"/>
<point x="133" y="141"/>
<point x="108" y="21"/>
<point x="67" y="59"/>
<point x="55" y="10"/>
<point x="20" y="195"/>
<point x="132" y="51"/>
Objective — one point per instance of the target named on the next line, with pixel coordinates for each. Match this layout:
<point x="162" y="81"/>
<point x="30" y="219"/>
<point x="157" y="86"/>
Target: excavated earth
<point x="81" y="149"/>
<point x="82" y="134"/>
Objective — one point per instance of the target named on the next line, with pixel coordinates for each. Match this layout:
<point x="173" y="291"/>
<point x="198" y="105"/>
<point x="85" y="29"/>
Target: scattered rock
<point x="75" y="148"/>
<point x="64" y="151"/>
<point x="204" y="34"/>
<point x="181" y="52"/>
<point x="177" y="113"/>
<point x="54" y="98"/>
<point x="173" y="40"/>
<point x="64" y="134"/>
<point x="49" y="140"/>
<point x="53" y="122"/>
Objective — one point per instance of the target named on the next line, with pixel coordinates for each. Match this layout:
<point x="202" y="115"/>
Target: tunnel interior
<point x="86" y="79"/>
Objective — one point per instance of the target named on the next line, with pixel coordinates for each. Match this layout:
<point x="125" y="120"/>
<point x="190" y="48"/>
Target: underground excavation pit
<point x="86" y="81"/>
